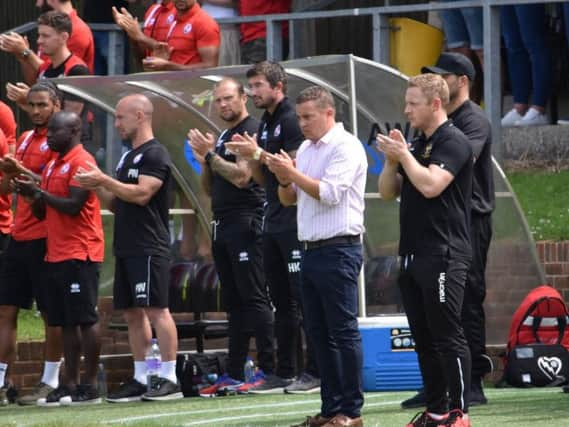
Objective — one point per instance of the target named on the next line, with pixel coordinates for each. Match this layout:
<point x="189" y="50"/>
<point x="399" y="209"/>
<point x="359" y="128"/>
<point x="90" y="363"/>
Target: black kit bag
<point x="537" y="365"/>
<point x="192" y="370"/>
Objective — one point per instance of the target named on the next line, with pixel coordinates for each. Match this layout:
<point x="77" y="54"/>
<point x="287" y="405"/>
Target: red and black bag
<point x="538" y="342"/>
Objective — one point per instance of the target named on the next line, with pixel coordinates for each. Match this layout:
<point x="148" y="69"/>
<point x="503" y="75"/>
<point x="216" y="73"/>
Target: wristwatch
<point x="26" y="53"/>
<point x="209" y="156"/>
<point x="257" y="154"/>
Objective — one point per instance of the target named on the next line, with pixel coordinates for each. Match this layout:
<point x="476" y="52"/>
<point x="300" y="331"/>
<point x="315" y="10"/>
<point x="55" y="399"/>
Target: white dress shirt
<point x="339" y="162"/>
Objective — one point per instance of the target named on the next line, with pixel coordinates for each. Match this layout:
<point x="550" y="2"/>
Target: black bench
<point x="195" y="302"/>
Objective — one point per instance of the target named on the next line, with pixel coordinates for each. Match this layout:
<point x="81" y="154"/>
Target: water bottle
<point x="249" y="369"/>
<point x="101" y="380"/>
<point x="153" y="362"/>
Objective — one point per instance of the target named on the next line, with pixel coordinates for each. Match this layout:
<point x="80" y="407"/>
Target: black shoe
<point x="84" y="394"/>
<point x="164" y="389"/>
<point x="566" y="389"/>
<point x="130" y="391"/>
<point x="54" y="398"/>
<point x="476" y="396"/>
<point x="417" y="401"/>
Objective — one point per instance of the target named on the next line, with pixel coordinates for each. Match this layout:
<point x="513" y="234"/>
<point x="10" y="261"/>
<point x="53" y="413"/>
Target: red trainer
<point x="456" y="418"/>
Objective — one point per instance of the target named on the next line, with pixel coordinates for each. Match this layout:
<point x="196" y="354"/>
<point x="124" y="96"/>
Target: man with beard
<point x="22" y="277"/>
<point x="139" y="197"/>
<point x="74" y="253"/>
<point x="282" y="251"/>
<point x="237" y="205"/>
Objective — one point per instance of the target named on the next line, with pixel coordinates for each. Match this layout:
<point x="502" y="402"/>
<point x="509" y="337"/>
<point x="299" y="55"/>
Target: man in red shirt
<point x="80" y="43"/>
<point x="157" y="21"/>
<point x="22" y="277"/>
<point x="8" y="126"/>
<point x="192" y="41"/>
<point x="75" y="248"/>
<point x="254" y="34"/>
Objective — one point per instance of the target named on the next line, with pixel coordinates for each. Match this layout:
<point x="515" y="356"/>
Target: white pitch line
<point x="214" y="410"/>
<point x="215" y="420"/>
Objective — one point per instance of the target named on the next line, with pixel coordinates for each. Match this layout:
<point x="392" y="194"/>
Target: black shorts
<point x="141" y="282"/>
<point x="73" y="292"/>
<point x="23" y="274"/>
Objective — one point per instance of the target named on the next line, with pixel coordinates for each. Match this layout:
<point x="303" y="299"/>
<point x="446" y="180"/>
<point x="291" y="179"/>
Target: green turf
<point x="30" y="326"/>
<point x="511" y="407"/>
<point x="545" y="201"/>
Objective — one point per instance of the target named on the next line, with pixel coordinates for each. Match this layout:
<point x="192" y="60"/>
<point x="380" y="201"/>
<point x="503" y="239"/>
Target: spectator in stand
<point x="101" y="12"/>
<point x="529" y="63"/>
<point x="8" y="126"/>
<point x="229" y="51"/>
<point x="254" y="34"/>
<point x="192" y="40"/>
<point x="157" y="21"/>
<point x="463" y="33"/>
<point x="80" y="43"/>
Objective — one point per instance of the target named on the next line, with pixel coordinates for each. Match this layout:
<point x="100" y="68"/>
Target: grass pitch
<point x="511" y="407"/>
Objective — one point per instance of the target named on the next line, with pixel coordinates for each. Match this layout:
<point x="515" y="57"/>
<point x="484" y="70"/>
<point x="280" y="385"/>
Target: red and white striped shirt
<point x="339" y="162"/>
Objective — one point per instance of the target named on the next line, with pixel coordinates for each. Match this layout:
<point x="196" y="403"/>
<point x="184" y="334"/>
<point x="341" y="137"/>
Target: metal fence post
<point x="493" y="75"/>
<point x="380" y="31"/>
<point x="274" y="40"/>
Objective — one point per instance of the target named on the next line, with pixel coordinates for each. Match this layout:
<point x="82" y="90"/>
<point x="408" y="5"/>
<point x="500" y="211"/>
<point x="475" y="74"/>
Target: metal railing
<point x="380" y="40"/>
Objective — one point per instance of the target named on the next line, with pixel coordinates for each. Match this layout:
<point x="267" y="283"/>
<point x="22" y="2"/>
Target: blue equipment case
<point x="390" y="361"/>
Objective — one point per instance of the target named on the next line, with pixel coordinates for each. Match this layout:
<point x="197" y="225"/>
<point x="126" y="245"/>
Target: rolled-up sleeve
<point x="338" y="176"/>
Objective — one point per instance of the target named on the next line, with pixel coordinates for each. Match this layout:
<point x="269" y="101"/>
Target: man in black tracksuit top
<point x="237" y="204"/>
<point x="279" y="130"/>
<point x="434" y="179"/>
<point x="467" y="116"/>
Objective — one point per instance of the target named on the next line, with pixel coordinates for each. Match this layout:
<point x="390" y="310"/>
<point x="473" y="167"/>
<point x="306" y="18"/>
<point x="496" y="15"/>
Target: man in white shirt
<point x="328" y="184"/>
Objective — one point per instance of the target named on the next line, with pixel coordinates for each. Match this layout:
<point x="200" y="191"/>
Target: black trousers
<point x="282" y="255"/>
<point x="432" y="289"/>
<point x="473" y="317"/>
<point x="238" y="256"/>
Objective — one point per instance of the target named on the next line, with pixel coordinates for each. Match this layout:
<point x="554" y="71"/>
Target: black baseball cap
<point x="452" y="63"/>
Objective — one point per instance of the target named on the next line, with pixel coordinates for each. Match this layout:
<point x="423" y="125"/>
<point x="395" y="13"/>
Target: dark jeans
<point x="282" y="253"/>
<point x="256" y="50"/>
<point x="473" y="316"/>
<point x="330" y="297"/>
<point x="432" y="288"/>
<point x="238" y="256"/>
<point x="529" y="57"/>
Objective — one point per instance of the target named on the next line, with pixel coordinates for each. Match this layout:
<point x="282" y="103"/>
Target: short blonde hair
<point x="432" y="85"/>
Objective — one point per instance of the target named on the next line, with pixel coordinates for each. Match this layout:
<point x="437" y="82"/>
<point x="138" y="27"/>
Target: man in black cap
<point x="467" y="116"/>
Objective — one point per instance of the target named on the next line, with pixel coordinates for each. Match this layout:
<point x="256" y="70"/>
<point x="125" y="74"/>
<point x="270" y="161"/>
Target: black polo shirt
<point x="439" y="225"/>
<point x="277" y="131"/>
<point x="143" y="230"/>
<point x="227" y="200"/>
<point x="472" y="121"/>
<point x="100" y="11"/>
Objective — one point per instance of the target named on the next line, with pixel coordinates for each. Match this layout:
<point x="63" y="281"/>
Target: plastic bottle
<point x="153" y="362"/>
<point x="249" y="369"/>
<point x="101" y="380"/>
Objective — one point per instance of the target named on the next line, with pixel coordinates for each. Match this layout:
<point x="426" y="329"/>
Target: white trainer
<point x="511" y="118"/>
<point x="533" y="118"/>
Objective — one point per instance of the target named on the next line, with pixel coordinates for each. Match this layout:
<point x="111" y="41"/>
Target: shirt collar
<point x="330" y="134"/>
<point x="40" y="132"/>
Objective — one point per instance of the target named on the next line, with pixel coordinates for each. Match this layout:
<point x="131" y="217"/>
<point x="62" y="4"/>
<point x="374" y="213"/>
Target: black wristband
<point x="209" y="155"/>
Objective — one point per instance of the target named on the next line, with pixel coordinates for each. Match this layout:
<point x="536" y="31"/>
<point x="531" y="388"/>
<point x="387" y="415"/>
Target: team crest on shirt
<point x="137" y="158"/>
<point x="44" y="147"/>
<point x="64" y="169"/>
<point x="277" y="131"/>
<point x="427" y="153"/>
<point x="187" y="28"/>
<point x="170" y="19"/>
